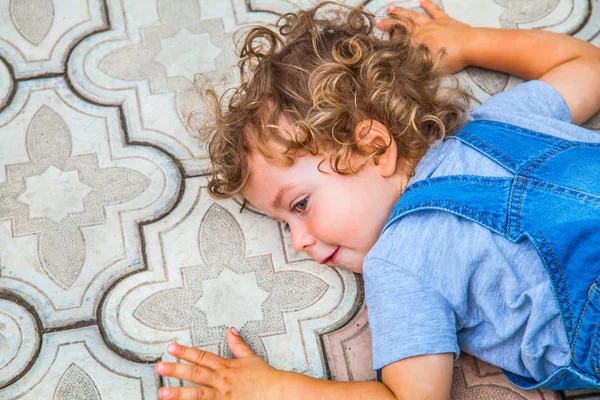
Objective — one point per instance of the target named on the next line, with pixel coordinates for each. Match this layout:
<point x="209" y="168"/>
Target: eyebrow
<point x="280" y="194"/>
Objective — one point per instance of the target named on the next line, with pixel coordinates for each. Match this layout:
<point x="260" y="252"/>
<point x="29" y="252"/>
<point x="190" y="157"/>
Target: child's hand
<point x="247" y="377"/>
<point x="436" y="32"/>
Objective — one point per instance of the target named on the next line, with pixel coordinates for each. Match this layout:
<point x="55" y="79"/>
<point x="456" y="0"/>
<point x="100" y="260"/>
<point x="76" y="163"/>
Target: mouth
<point x="332" y="257"/>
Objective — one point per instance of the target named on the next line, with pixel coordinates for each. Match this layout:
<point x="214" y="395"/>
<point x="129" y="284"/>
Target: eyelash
<point x="296" y="205"/>
<point x="286" y="226"/>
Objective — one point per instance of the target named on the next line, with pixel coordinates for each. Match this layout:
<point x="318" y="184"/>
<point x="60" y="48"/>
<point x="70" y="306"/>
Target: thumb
<point x="238" y="346"/>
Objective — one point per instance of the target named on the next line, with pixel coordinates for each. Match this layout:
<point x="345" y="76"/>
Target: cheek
<point x="322" y="218"/>
<point x="358" y="211"/>
<point x="335" y="216"/>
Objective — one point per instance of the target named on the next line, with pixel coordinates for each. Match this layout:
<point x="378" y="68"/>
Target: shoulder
<point x="528" y="98"/>
<point x="428" y="237"/>
<point x="437" y="251"/>
<point x="536" y="106"/>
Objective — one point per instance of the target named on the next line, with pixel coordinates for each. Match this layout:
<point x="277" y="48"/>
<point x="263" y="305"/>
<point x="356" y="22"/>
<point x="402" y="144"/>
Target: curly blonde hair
<point x="325" y="74"/>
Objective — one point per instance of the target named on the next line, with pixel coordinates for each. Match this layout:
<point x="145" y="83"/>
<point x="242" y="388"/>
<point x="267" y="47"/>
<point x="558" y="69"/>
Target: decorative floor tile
<point x="76" y="364"/>
<point x="149" y="61"/>
<point x="71" y="194"/>
<point x="36" y="36"/>
<point x="474" y="380"/>
<point x="110" y="247"/>
<point x="211" y="267"/>
<point x="349" y="350"/>
<point x="6" y="84"/>
<point x="19" y="341"/>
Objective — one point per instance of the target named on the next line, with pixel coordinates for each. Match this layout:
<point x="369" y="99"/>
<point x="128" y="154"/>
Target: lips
<point x="331" y="257"/>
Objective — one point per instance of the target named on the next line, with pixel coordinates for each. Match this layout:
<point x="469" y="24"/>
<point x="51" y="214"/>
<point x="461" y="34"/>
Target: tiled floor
<point x="110" y="247"/>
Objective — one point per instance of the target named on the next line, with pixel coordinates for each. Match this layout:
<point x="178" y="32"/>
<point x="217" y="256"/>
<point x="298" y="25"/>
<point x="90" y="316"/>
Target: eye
<point x="301" y="205"/>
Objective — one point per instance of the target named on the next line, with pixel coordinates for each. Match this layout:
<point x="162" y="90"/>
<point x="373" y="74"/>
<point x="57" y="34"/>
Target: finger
<point x="187" y="393"/>
<point x="192" y="373"/>
<point x="238" y="346"/>
<point x="433" y="10"/>
<point x="387" y="24"/>
<point x="195" y="356"/>
<point x="401" y="12"/>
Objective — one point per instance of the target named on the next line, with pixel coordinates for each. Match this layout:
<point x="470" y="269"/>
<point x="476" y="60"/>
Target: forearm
<point x="570" y="65"/>
<point x="296" y="386"/>
<point x="528" y="54"/>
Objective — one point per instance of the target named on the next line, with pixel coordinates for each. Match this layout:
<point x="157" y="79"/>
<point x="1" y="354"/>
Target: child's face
<point x="328" y="214"/>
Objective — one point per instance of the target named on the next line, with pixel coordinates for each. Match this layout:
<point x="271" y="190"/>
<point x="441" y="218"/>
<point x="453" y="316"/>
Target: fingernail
<point x="160" y="367"/>
<point x="391" y="8"/>
<point x="379" y="24"/>
<point x="172" y="348"/>
<point x="235" y="332"/>
<point x="164" y="392"/>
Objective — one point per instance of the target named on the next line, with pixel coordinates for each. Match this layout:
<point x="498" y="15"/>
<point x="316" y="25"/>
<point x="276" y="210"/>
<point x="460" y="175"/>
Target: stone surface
<point x="205" y="251"/>
<point x="474" y="380"/>
<point x="37" y="35"/>
<point x="19" y="340"/>
<point x="76" y="364"/>
<point x="6" y="84"/>
<point x="151" y="59"/>
<point x="110" y="247"/>
<point x="71" y="194"/>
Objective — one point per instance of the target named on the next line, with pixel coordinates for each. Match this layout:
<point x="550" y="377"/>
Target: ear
<point x="370" y="135"/>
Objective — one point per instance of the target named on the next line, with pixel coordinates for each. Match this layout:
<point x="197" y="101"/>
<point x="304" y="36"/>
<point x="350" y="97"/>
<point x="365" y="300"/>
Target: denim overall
<point x="552" y="199"/>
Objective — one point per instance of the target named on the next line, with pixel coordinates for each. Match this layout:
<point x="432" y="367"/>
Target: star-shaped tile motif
<point x="54" y="194"/>
<point x="68" y="200"/>
<point x="230" y="290"/>
<point x="232" y="299"/>
<point x="187" y="53"/>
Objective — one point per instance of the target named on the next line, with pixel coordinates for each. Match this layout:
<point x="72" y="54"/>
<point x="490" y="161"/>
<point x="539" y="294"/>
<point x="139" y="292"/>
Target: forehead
<point x="267" y="178"/>
<point x="260" y="168"/>
<point x="268" y="175"/>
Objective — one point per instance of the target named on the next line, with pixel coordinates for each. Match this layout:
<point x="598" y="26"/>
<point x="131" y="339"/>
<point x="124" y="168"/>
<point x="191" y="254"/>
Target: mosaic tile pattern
<point x="211" y="267"/>
<point x="110" y="247"/>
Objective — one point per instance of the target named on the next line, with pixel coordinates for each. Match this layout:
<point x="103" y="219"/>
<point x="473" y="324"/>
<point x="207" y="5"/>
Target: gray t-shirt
<point x="436" y="282"/>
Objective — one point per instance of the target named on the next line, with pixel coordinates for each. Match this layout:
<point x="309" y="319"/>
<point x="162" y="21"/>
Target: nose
<point x="301" y="238"/>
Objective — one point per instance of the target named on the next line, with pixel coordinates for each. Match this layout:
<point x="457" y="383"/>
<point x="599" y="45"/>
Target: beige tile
<point x="72" y="194"/>
<point x="76" y="364"/>
<point x="110" y="247"/>
<point x="37" y="35"/>
<point x="211" y="267"/>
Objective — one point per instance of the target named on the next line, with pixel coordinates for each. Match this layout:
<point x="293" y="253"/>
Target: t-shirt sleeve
<point x="528" y="98"/>
<point x="406" y="317"/>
